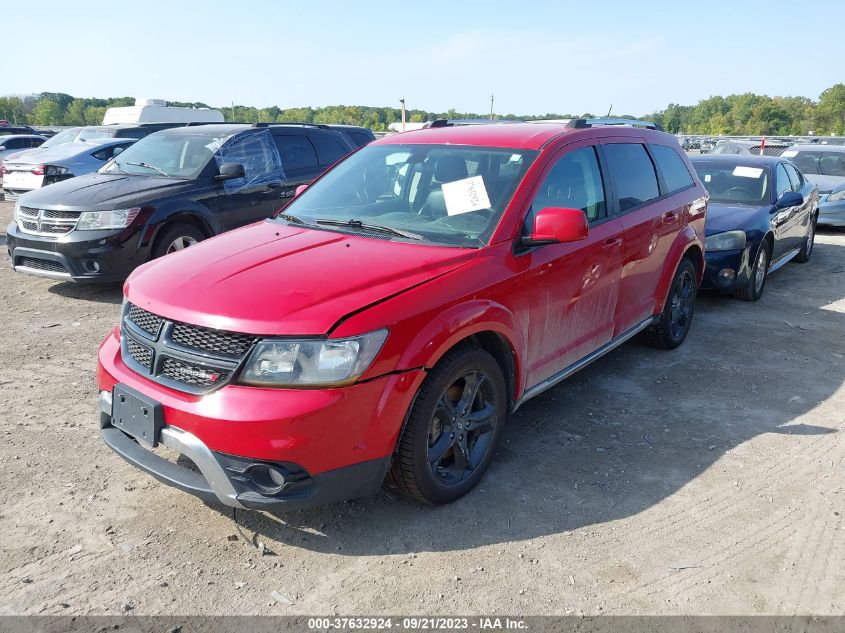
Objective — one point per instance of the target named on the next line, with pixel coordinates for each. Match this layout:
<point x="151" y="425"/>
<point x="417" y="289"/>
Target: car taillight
<point x="37" y="170"/>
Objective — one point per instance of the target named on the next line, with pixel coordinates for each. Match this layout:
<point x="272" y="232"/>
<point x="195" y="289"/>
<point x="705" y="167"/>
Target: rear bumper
<point x="832" y="213"/>
<point x="90" y="256"/>
<point x="715" y="261"/>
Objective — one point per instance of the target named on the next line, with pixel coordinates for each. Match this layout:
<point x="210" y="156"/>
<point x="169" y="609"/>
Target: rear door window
<point x="672" y="167"/>
<point x="297" y="153"/>
<point x="632" y="174"/>
<point x="330" y="148"/>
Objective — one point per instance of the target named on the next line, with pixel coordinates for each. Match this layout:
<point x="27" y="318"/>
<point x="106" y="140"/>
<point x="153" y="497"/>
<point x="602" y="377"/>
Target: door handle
<point x="669" y="217"/>
<point x="612" y="243"/>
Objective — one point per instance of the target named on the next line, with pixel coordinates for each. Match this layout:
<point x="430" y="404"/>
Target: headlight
<point x="54" y="170"/>
<point x="727" y="241"/>
<point x="311" y="363"/>
<point x="17" y="216"/>
<point x="836" y="196"/>
<point x="117" y="219"/>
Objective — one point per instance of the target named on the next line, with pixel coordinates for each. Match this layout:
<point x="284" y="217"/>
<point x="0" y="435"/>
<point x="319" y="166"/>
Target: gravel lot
<point x="708" y="480"/>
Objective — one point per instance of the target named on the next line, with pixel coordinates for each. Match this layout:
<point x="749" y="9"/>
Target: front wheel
<point x="803" y="255"/>
<point x="674" y="322"/>
<point x="176" y="237"/>
<point x="452" y="428"/>
<point x="753" y="290"/>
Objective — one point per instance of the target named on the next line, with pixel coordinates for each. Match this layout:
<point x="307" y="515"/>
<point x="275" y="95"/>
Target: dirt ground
<point x="707" y="480"/>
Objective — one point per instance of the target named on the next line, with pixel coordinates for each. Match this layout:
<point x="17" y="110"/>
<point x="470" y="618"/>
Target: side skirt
<point x="784" y="260"/>
<point x="565" y="373"/>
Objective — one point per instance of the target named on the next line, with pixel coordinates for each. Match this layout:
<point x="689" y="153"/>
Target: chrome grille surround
<point x="47" y="222"/>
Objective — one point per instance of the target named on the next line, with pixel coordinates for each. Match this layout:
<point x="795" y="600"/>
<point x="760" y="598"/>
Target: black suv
<point x="168" y="191"/>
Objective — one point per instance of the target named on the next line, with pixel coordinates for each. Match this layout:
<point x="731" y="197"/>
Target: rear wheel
<point x="753" y="290"/>
<point x="674" y="322"/>
<point x="176" y="237"/>
<point x="803" y="255"/>
<point x="452" y="428"/>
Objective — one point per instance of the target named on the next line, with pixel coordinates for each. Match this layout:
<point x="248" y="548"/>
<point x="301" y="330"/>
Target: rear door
<point x="574" y="286"/>
<point x="635" y="186"/>
<point x="803" y="217"/>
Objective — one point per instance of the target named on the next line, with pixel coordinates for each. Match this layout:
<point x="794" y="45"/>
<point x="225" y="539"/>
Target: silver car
<point x="825" y="166"/>
<point x="45" y="166"/>
<point x="17" y="143"/>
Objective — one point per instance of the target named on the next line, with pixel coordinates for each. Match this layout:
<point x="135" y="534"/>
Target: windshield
<point x="62" y="137"/>
<point x="821" y="163"/>
<point x="172" y="155"/>
<point x="93" y="132"/>
<point x="442" y="194"/>
<point x="734" y="184"/>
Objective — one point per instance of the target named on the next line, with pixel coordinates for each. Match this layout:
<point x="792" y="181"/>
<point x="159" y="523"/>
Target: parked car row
<point x="374" y="310"/>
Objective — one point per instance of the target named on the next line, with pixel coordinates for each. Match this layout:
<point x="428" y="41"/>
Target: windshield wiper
<point x="367" y="226"/>
<point x="148" y="166"/>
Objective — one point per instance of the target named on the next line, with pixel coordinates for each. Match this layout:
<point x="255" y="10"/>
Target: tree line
<point x="745" y="114"/>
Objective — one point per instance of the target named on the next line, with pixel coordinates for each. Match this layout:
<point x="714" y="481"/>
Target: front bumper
<point x="335" y="443"/>
<point x="735" y="260"/>
<point x="83" y="256"/>
<point x="832" y="213"/>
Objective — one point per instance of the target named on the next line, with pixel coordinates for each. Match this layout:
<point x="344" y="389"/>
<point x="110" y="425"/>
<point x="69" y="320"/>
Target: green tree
<point x="46" y="112"/>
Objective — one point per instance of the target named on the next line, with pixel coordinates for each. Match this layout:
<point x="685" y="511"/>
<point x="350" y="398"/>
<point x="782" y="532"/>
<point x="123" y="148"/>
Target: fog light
<point x="268" y="480"/>
<point x="727" y="276"/>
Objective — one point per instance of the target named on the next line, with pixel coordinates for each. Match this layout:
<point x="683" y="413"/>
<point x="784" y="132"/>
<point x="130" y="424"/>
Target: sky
<point x="534" y="56"/>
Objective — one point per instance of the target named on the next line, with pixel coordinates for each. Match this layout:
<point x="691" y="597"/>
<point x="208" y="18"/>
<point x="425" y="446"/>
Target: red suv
<point x="388" y="321"/>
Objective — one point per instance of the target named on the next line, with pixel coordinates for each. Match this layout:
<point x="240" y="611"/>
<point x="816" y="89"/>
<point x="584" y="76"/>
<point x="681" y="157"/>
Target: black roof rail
<point x="321" y="126"/>
<point x="583" y="123"/>
<point x="453" y="122"/>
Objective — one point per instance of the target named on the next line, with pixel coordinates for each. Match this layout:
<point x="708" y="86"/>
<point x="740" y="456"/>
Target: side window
<point x="15" y="143"/>
<point x="256" y="151"/>
<point x="672" y="167"/>
<point x="632" y="173"/>
<point x="330" y="149"/>
<point x="794" y="177"/>
<point x="574" y="182"/>
<point x="36" y="142"/>
<point x="296" y="152"/>
<point x="782" y="183"/>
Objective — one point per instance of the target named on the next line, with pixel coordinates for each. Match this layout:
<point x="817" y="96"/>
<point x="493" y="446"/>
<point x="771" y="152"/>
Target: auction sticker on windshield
<point x="463" y="196"/>
<point x="748" y="172"/>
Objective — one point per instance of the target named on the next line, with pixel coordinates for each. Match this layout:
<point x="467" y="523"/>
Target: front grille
<point x="147" y="321"/>
<point x="48" y="222"/>
<point x="214" y="341"/>
<point x="142" y="354"/>
<point x="189" y="374"/>
<point x="181" y="356"/>
<point x="41" y="264"/>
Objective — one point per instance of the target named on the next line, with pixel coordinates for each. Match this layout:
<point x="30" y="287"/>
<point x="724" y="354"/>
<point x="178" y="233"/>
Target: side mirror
<point x="230" y="171"/>
<point x="299" y="190"/>
<point x="556" y="225"/>
<point x="790" y="199"/>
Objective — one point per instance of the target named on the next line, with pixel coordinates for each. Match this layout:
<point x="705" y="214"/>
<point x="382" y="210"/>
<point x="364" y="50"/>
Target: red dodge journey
<point x="386" y="323"/>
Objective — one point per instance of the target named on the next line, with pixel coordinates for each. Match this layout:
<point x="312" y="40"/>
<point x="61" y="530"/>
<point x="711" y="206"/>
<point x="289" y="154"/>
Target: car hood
<point x="826" y="184"/>
<point x="274" y="279"/>
<point x="729" y="217"/>
<point x="104" y="191"/>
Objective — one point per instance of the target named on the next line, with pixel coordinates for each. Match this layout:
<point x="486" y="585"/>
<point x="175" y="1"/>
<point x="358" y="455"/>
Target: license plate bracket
<point x="137" y="415"/>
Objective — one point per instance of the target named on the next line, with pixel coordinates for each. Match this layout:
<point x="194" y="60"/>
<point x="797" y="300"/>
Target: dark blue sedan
<point x="762" y="214"/>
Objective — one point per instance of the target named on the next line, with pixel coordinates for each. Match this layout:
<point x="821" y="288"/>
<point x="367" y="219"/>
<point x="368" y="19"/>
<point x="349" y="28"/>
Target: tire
<point x="440" y="457"/>
<point x="674" y="322"/>
<point x="806" y="251"/>
<point x="753" y="290"/>
<point x="174" y="233"/>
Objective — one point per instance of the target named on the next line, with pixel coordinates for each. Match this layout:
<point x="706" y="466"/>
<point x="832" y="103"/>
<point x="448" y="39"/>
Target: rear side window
<point x="296" y="152"/>
<point x="330" y="148"/>
<point x="672" y="167"/>
<point x="131" y="133"/>
<point x="794" y="177"/>
<point x="359" y="138"/>
<point x="632" y="173"/>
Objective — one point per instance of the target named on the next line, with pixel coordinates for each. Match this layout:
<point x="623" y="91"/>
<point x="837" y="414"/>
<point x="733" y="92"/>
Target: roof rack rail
<point x="453" y="122"/>
<point x="582" y="123"/>
<point x="322" y="126"/>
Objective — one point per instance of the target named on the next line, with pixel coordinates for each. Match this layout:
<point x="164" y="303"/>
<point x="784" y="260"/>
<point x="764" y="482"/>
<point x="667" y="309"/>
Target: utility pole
<point x="402" y="101"/>
<point x="491" y="107"/>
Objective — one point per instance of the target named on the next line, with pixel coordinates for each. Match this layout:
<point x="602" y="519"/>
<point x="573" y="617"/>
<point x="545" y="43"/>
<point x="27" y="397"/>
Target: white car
<point x="35" y="169"/>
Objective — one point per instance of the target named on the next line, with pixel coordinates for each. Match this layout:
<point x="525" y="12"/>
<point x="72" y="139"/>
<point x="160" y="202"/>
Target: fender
<point x="684" y="241"/>
<point x="177" y="207"/>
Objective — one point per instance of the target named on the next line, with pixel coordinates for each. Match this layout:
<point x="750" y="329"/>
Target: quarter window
<point x="632" y="173"/>
<point x="574" y="182"/>
<point x="672" y="167"/>
<point x="329" y="149"/>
